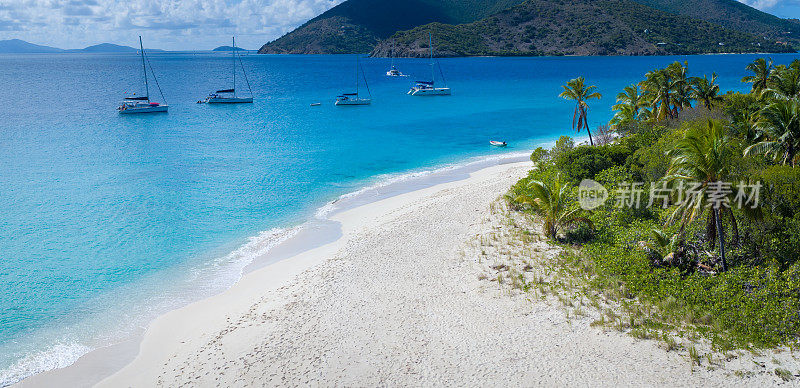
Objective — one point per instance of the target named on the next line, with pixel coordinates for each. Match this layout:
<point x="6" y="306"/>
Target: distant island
<point x="540" y="27"/>
<point x="108" y="48"/>
<point x="17" y="46"/>
<point x="228" y="48"/>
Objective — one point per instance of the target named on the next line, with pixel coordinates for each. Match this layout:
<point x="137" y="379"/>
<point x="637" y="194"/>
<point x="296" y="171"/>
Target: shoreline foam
<point x="261" y="251"/>
<point x="189" y="327"/>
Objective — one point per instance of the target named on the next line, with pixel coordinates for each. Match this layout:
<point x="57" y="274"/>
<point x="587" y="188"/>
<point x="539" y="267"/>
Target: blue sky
<point x="782" y="8"/>
<point x="185" y="24"/>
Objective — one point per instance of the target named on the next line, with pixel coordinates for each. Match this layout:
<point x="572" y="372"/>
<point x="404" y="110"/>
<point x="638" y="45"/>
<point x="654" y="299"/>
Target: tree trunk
<point x="734" y="228"/>
<point x="721" y="238"/>
<point x="586" y="124"/>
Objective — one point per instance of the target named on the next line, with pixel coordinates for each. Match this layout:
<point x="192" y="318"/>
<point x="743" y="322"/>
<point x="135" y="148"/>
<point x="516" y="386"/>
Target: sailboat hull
<point x="231" y="100"/>
<point x="148" y="109"/>
<point x="354" y="102"/>
<point x="429" y="92"/>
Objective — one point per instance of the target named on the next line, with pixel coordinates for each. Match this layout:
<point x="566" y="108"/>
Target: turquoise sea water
<point x="109" y="220"/>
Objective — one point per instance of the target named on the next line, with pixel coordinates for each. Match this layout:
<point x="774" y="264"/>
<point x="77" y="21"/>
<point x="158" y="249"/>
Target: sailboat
<point x="228" y="96"/>
<point x="142" y="104"/>
<point x="428" y="88"/>
<point x="355" y="98"/>
<point x="393" y="72"/>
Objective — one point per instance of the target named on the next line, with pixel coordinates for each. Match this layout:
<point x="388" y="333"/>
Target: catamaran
<point x="393" y="72"/>
<point x="355" y="98"/>
<point x="142" y="104"/>
<point x="228" y="96"/>
<point x="428" y="88"/>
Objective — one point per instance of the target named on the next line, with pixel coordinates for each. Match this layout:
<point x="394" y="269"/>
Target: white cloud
<point x="169" y="24"/>
<point x="766" y="5"/>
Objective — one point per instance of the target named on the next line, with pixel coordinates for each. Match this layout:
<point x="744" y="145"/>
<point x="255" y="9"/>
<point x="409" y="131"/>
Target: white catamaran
<point x="393" y="72"/>
<point x="346" y="99"/>
<point x="228" y="96"/>
<point x="428" y="88"/>
<point x="142" y="104"/>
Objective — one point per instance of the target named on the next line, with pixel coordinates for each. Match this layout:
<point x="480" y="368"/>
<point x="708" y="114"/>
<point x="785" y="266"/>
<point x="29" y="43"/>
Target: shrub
<point x="539" y="155"/>
<point x="563" y="144"/>
<point x="585" y="162"/>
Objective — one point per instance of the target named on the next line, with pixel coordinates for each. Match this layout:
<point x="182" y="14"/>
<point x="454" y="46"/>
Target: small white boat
<point x="498" y="143"/>
<point x="428" y="88"/>
<point x="316" y="103"/>
<point x="355" y="99"/>
<point x="142" y="104"/>
<point x="228" y="96"/>
<point x="393" y="72"/>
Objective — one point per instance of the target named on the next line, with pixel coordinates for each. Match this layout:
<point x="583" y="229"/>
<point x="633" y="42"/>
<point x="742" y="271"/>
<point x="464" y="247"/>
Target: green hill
<point x="730" y="14"/>
<point x="577" y="27"/>
<point x="358" y="25"/>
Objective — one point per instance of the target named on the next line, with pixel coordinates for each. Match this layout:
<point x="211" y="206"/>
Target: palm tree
<point x="779" y="125"/>
<point x="784" y="82"/>
<point x="662" y="244"/>
<point x="550" y="203"/>
<point x="577" y="90"/>
<point x="705" y="90"/>
<point x="761" y="69"/>
<point x="682" y="90"/>
<point x="629" y="103"/>
<point x="657" y="87"/>
<point x="702" y="157"/>
<point x="625" y="115"/>
<point x="667" y="90"/>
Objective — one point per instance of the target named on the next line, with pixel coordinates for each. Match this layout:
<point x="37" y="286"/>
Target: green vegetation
<point x="580" y="27"/>
<point x="356" y="26"/>
<point x="549" y="201"/>
<point x="730" y="14"/>
<point x="539" y="27"/>
<point x="682" y="246"/>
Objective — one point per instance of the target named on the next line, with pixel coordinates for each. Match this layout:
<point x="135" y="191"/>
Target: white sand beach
<point x="394" y="302"/>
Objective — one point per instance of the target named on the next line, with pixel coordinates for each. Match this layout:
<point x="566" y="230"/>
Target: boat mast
<point x="144" y="69"/>
<point x="233" y="56"/>
<point x="393" y="54"/>
<point x="356" y="75"/>
<point x="430" y="44"/>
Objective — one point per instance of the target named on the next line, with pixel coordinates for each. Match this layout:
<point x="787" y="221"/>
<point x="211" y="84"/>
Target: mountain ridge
<point x="585" y="27"/>
<point x="18" y="46"/>
<point x="358" y="25"/>
<point x="350" y="27"/>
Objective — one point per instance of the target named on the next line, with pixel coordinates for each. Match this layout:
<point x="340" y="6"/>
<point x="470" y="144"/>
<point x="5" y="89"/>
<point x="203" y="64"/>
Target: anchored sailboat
<point x="228" y="96"/>
<point x="393" y="72"/>
<point x="355" y="98"/>
<point x="428" y="88"/>
<point x="142" y="104"/>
